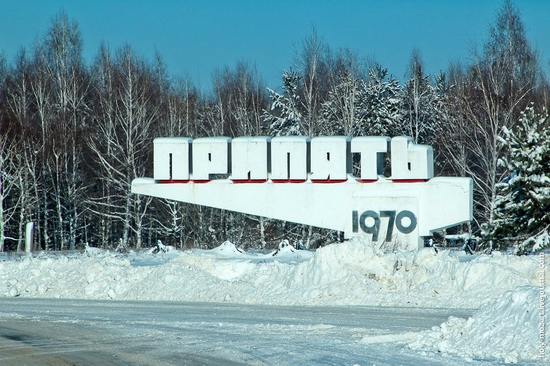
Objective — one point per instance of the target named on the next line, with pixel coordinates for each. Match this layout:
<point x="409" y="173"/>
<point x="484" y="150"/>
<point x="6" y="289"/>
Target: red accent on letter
<point x="163" y="181"/>
<point x="239" y="181"/>
<point x="328" y="180"/>
<point x="288" y="180"/>
<point x="409" y="180"/>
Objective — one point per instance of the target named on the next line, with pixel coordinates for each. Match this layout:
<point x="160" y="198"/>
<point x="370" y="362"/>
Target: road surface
<point x="85" y="332"/>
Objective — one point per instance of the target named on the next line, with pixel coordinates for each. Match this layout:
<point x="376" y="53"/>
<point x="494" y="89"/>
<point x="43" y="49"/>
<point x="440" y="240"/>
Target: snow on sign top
<point x="286" y="178"/>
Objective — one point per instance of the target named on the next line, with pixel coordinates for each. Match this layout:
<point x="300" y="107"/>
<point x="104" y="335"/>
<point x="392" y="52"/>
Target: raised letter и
<point x="250" y="159"/>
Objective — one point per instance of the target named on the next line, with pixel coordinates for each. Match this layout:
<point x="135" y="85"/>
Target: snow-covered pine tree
<point x="381" y="104"/>
<point x="361" y="108"/>
<point x="522" y="206"/>
<point x="284" y="117"/>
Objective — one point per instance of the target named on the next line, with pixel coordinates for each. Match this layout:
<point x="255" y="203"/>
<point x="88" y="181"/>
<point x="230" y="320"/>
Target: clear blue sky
<point x="196" y="37"/>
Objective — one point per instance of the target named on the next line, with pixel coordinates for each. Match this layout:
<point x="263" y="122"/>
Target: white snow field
<point x="506" y="294"/>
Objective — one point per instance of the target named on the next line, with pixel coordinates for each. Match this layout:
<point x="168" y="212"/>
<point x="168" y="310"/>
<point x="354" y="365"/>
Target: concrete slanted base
<point x="385" y="210"/>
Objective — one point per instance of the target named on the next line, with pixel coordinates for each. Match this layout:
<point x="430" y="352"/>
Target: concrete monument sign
<point x="309" y="181"/>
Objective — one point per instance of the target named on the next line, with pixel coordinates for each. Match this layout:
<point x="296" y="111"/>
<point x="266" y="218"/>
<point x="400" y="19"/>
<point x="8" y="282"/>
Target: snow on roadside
<point x="504" y="287"/>
<point x="350" y="273"/>
<point x="508" y="328"/>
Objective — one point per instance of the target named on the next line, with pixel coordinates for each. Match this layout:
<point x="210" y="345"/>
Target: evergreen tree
<point x="381" y="104"/>
<point x="359" y="108"/>
<point x="522" y="206"/>
<point x="285" y="118"/>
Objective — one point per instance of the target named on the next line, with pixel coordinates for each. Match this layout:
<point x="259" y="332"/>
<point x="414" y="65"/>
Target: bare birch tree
<point x="125" y="130"/>
<point x="69" y="85"/>
<point x="486" y="97"/>
<point x="421" y="102"/>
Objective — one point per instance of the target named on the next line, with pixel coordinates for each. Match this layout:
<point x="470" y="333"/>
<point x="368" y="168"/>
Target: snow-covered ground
<point x="507" y="293"/>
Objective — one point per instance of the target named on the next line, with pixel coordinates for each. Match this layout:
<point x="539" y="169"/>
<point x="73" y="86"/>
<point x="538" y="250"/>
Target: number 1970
<point x="404" y="221"/>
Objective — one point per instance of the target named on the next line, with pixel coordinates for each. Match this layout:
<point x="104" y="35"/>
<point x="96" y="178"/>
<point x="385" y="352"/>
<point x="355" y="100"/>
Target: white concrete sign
<point x="309" y="181"/>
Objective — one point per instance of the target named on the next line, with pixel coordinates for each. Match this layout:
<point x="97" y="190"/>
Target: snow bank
<point x="509" y="328"/>
<point x="350" y="273"/>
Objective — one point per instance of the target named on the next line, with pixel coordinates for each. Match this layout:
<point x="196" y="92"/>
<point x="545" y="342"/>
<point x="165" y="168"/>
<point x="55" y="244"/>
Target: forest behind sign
<point x="310" y="181"/>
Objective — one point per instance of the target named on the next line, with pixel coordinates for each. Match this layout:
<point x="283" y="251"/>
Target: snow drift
<point x="508" y="328"/>
<point x="503" y="287"/>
